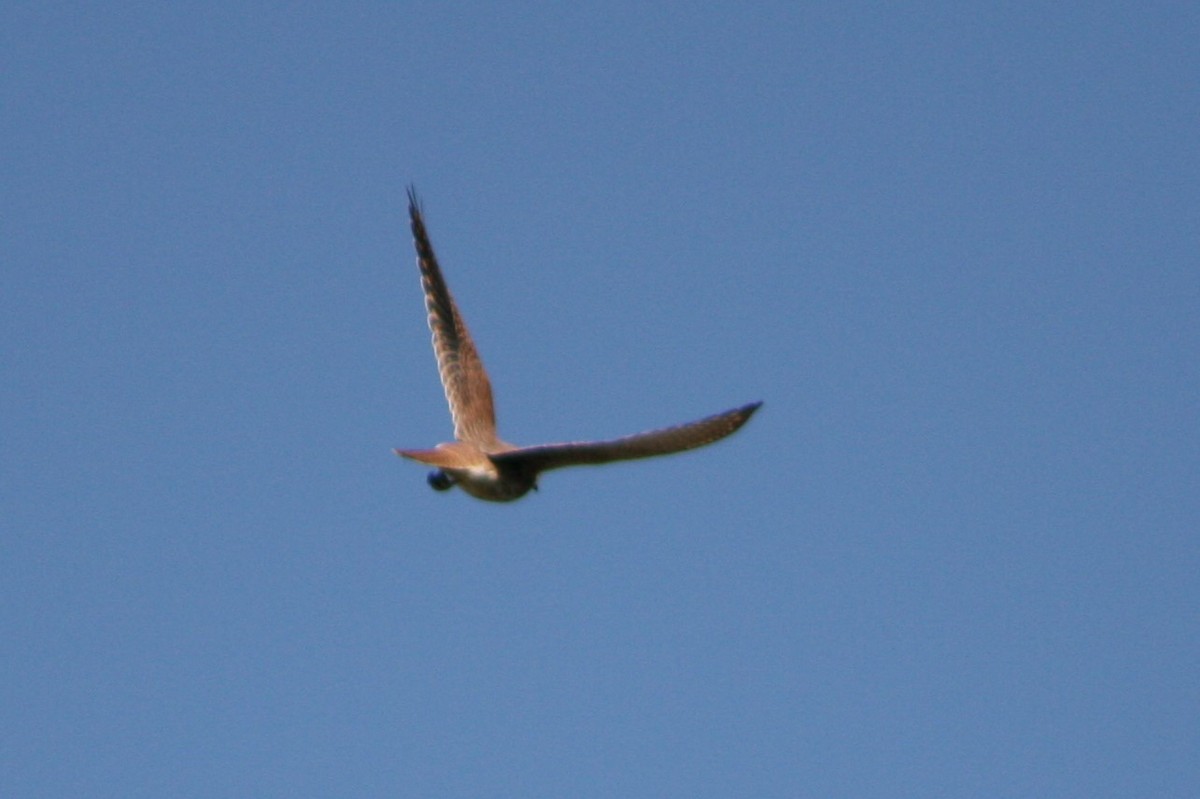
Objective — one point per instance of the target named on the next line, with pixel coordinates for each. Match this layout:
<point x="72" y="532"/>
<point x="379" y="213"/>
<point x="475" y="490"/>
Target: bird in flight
<point x="477" y="461"/>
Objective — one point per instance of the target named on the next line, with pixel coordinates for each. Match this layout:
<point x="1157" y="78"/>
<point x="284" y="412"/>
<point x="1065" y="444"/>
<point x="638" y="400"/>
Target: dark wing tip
<point x="738" y="417"/>
<point x="744" y="413"/>
<point x="416" y="219"/>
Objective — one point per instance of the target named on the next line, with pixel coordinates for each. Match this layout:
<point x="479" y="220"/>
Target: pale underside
<point x="478" y="461"/>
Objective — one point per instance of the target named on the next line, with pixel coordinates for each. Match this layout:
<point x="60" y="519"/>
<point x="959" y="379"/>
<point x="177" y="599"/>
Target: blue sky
<point x="953" y="247"/>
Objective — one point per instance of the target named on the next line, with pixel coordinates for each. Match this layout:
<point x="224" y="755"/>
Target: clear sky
<point x="952" y="246"/>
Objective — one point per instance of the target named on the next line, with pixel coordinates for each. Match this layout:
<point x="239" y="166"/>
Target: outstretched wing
<point x="532" y="460"/>
<point x="463" y="377"/>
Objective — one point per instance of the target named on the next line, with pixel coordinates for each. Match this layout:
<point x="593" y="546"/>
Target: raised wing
<point x="463" y="377"/>
<point x="531" y="460"/>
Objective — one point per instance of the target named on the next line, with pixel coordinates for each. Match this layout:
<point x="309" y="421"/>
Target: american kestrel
<point x="477" y="460"/>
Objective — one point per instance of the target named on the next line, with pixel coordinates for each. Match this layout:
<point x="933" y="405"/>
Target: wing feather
<point x="642" y="445"/>
<point x="465" y="381"/>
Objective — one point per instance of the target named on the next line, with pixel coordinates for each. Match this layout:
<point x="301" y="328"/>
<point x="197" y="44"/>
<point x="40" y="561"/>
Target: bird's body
<point x="473" y="470"/>
<point x="477" y="461"/>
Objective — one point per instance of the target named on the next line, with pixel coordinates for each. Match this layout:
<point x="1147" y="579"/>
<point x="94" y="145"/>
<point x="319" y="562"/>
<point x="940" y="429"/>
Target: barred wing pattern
<point x="532" y="460"/>
<point x="464" y="379"/>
